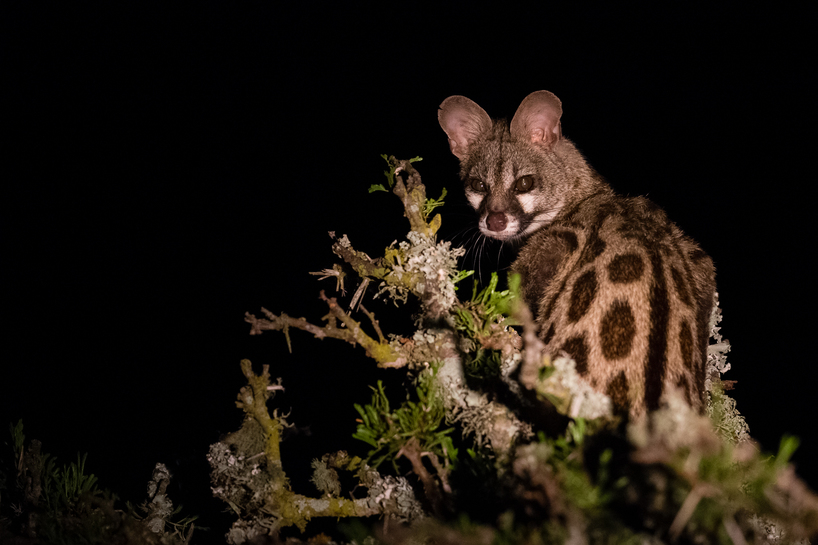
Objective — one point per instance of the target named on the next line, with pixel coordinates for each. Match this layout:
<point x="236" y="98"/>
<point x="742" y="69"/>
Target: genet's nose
<point x="496" y="221"/>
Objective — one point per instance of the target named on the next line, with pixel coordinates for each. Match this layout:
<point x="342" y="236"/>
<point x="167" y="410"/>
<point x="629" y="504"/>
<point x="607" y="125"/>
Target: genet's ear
<point x="463" y="120"/>
<point x="538" y="119"/>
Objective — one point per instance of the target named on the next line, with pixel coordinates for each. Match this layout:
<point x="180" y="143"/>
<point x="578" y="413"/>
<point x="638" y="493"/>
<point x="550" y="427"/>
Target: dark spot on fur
<point x="572" y="212"/>
<point x="582" y="295"/>
<point x="681" y="287"/>
<point x="604" y="211"/>
<point x="664" y="249"/>
<point x="578" y="350"/>
<point x="697" y="255"/>
<point x="686" y="345"/>
<point x="626" y="268"/>
<point x="550" y="308"/>
<point x="594" y="247"/>
<point x="538" y="263"/>
<point x="685" y="386"/>
<point x="628" y="231"/>
<point x="617" y="390"/>
<point x="570" y="240"/>
<point x="548" y="335"/>
<point x="536" y="276"/>
<point x="646" y="231"/>
<point x="656" y="365"/>
<point x="617" y="331"/>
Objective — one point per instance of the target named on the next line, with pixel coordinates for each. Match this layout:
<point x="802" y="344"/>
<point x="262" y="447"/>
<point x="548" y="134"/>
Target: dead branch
<point x="442" y="471"/>
<point x="380" y="350"/>
<point x="411" y="451"/>
<point x="361" y="263"/>
<point x="413" y="196"/>
<point x="375" y="323"/>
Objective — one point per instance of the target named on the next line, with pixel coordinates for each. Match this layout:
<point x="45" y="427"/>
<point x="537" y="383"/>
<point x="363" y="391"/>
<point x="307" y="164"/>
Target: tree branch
<point x="381" y="350"/>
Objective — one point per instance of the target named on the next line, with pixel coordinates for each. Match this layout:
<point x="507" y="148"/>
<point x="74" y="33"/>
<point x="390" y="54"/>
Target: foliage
<point x="476" y="317"/>
<point x="390" y="175"/>
<point x="249" y="476"/>
<point x="387" y="431"/>
<point x="479" y="472"/>
<point x="66" y="486"/>
<point x="491" y="443"/>
<point x="64" y="505"/>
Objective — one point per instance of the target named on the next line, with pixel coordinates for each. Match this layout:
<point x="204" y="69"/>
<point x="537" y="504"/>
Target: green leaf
<point x="390" y="174"/>
<point x="431" y="204"/>
<point x="787" y="447"/>
<point x="461" y="275"/>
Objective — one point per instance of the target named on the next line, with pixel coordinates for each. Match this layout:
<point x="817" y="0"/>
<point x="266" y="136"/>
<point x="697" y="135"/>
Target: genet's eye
<point x="476" y="184"/>
<point x="524" y="184"/>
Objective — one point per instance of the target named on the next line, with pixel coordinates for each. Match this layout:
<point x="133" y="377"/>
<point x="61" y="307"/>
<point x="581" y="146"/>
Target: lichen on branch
<point x="483" y="392"/>
<point x="350" y="330"/>
<point x="248" y="474"/>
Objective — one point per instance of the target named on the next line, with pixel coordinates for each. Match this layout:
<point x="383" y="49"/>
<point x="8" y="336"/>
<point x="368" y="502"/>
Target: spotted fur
<point x="611" y="280"/>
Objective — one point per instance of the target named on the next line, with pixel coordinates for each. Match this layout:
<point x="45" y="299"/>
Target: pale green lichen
<point x="772" y="533"/>
<point x="422" y="267"/>
<point x="718" y="348"/>
<point x="721" y="408"/>
<point x="491" y="424"/>
<point x="673" y="426"/>
<point x="570" y="393"/>
<point x="437" y="263"/>
<point x="392" y="496"/>
<point x="325" y="478"/>
<point x="726" y="420"/>
<point x="459" y="362"/>
<point x="344" y="241"/>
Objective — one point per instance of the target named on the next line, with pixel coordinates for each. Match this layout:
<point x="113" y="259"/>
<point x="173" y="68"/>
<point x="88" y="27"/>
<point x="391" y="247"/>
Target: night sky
<point x="168" y="168"/>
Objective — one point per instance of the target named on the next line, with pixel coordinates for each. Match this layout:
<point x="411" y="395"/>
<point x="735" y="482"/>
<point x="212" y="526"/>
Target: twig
<point x="335" y="271"/>
<point x="411" y="451"/>
<point x="382" y="351"/>
<point x="413" y="196"/>
<point x="359" y="293"/>
<point x="275" y="323"/>
<point x="733" y="531"/>
<point x="375" y="323"/>
<point x="361" y="263"/>
<point x="442" y="473"/>
<point x="699" y="491"/>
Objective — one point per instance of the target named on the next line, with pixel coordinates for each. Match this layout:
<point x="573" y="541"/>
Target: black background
<point x="169" y="166"/>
